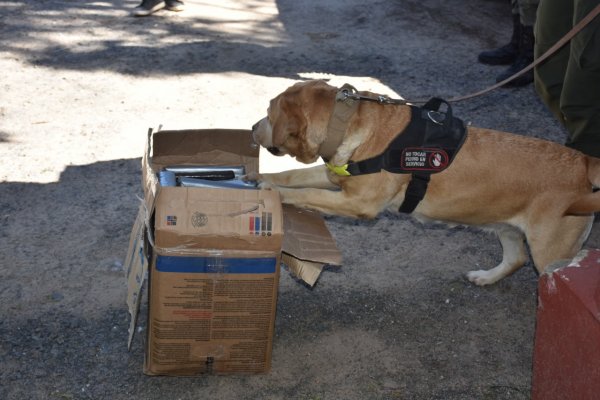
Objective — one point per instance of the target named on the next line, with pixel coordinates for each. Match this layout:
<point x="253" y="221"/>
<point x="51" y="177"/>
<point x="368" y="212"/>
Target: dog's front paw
<point x="252" y="177"/>
<point x="481" y="277"/>
<point x="266" y="185"/>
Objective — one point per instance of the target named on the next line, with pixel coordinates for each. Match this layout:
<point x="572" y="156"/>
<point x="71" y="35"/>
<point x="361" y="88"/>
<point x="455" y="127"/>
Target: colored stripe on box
<point x="257" y="225"/>
<point x="211" y="265"/>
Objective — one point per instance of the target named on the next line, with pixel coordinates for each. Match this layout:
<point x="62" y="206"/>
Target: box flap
<point x="309" y="243"/>
<point x="204" y="147"/>
<point x="136" y="268"/>
<point x="192" y="218"/>
<point x="149" y="178"/>
<point x="307" y="271"/>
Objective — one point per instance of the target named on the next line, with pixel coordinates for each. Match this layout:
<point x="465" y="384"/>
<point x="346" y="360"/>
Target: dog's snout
<point x="274" y="150"/>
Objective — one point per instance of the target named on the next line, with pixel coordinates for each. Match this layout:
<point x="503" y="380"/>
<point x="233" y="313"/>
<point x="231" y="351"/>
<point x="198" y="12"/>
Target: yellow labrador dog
<point x="522" y="188"/>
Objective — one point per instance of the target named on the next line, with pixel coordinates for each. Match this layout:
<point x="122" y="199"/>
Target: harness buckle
<point x="346" y="92"/>
<point x="436" y="117"/>
<point x="342" y="95"/>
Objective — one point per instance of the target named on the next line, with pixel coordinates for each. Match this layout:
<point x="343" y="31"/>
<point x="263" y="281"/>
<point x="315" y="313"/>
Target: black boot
<point x="148" y="7"/>
<point x="506" y="54"/>
<point x="524" y="58"/>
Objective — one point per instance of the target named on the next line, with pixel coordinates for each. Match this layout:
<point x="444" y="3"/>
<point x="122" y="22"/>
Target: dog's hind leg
<point x="514" y="257"/>
<point x="560" y="240"/>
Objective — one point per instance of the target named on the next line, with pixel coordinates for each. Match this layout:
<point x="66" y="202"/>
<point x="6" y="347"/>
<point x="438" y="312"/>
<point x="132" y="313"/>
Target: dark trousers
<point x="569" y="81"/>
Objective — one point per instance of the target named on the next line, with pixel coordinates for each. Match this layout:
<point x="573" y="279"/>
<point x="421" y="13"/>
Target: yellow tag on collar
<point x="341" y="170"/>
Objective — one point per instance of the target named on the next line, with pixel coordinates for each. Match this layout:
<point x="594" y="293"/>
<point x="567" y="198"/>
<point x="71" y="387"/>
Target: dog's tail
<point x="589" y="203"/>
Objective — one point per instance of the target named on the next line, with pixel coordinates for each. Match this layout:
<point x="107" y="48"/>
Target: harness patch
<point x="424" y="159"/>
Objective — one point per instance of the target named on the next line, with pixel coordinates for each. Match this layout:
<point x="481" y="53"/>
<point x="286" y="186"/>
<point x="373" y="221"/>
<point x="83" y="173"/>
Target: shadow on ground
<point x="419" y="337"/>
<point x="315" y="37"/>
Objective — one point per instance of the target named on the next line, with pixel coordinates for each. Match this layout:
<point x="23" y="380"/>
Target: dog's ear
<point x="290" y="113"/>
<point x="289" y="122"/>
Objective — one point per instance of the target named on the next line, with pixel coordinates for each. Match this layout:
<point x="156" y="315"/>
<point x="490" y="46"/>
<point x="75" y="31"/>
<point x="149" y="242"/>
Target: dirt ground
<point x="81" y="83"/>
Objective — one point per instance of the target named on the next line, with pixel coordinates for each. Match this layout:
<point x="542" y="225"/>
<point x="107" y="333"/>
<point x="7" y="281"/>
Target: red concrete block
<point x="566" y="359"/>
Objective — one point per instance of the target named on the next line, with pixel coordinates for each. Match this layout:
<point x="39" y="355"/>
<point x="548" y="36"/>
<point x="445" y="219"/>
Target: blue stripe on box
<point x="211" y="265"/>
<point x="257" y="225"/>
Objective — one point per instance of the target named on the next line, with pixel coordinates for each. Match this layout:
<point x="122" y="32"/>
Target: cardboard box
<point x="212" y="259"/>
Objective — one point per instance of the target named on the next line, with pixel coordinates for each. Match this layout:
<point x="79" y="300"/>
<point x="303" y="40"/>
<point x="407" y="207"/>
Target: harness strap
<point x="415" y="191"/>
<point x="344" y="109"/>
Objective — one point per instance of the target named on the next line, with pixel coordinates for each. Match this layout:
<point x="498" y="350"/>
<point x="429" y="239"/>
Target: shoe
<point x="524" y="58"/>
<point x="148" y="7"/>
<point x="174" y="5"/>
<point x="506" y="54"/>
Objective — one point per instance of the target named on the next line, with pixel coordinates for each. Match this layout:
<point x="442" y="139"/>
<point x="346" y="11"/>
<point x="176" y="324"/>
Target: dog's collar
<point x="346" y="103"/>
<point x="345" y="106"/>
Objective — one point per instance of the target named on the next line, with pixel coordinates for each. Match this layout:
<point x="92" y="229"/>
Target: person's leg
<point x="580" y="97"/>
<point x="554" y="20"/>
<point x="528" y="11"/>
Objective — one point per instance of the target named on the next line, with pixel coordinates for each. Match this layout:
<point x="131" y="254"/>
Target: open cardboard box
<point x="211" y="257"/>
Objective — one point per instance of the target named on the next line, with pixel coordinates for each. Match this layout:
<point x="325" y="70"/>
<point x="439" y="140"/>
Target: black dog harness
<point x="427" y="146"/>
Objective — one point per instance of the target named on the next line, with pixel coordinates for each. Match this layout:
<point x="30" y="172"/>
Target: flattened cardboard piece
<point x="136" y="268"/>
<point x="307" y="243"/>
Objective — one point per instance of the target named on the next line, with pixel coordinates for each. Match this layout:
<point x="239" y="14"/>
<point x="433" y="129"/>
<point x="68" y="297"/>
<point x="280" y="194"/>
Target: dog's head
<point x="296" y="121"/>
